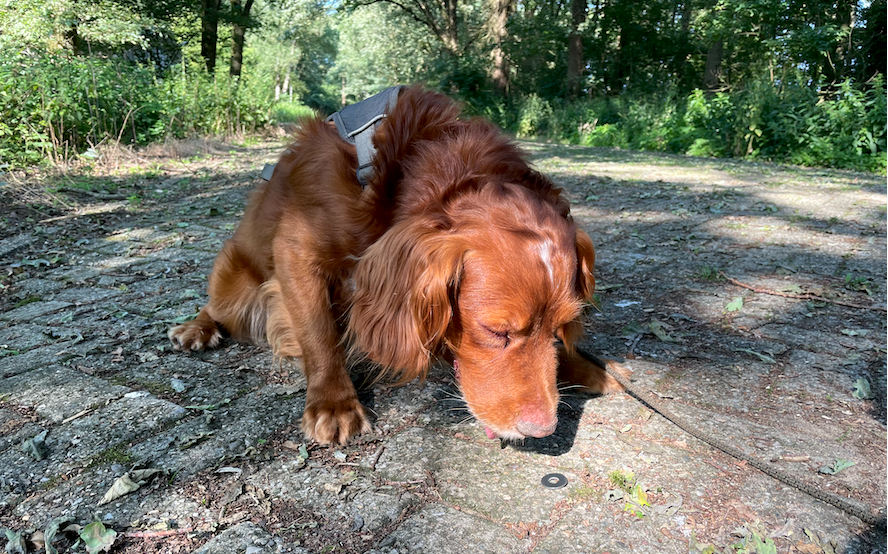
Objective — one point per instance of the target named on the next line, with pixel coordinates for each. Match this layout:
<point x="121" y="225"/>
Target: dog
<point x="455" y="249"/>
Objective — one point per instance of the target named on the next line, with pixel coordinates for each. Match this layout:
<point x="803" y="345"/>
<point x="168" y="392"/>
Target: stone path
<point x="90" y="286"/>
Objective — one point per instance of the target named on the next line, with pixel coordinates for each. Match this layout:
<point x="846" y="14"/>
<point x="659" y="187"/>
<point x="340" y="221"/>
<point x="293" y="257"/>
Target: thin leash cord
<point x="856" y="509"/>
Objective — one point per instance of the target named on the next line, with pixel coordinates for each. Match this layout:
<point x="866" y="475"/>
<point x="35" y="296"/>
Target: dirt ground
<point x="751" y="298"/>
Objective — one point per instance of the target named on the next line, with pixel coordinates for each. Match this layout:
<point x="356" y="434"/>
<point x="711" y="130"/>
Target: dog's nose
<point x="536" y="424"/>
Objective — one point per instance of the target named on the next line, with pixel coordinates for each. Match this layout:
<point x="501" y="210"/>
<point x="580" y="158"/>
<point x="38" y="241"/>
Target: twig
<point x="79" y="414"/>
<point x="99" y="195"/>
<point x="157" y="534"/>
<point x="375" y="457"/>
<point x="806" y="296"/>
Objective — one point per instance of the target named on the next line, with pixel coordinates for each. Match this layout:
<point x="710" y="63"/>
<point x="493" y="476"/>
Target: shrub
<point x="289" y="112"/>
<point x="534" y="117"/>
<point x="786" y="122"/>
<point x="55" y="105"/>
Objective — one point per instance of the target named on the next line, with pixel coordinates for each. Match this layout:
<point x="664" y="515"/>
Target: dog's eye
<point x="501" y="335"/>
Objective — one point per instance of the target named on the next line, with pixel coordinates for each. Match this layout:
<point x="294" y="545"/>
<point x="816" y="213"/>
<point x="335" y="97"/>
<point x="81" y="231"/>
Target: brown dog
<point x="455" y="248"/>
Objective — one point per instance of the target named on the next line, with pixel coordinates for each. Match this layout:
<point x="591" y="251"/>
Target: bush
<point x="289" y="112"/>
<point x="54" y="106"/>
<point x="791" y="123"/>
<point x="203" y="104"/>
<point x="534" y="117"/>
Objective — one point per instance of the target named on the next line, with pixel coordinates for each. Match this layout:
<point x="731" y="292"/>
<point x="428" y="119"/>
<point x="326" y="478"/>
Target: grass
<point x="114" y="455"/>
<point x="623" y="480"/>
<point x="290" y="112"/>
<point x="708" y="273"/>
<point x="26" y="301"/>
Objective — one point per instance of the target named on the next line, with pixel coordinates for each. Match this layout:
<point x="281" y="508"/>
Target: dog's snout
<point x="536" y="424"/>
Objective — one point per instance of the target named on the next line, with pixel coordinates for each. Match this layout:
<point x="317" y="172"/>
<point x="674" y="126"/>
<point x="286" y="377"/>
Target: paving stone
<point x="58" y="392"/>
<point x="71" y="446"/>
<point x="36" y="287"/>
<point x="244" y="538"/>
<point x="200" y="382"/>
<point x="132" y="418"/>
<point x="76" y="273"/>
<point x="229" y="430"/>
<point x="592" y="527"/>
<point x="24" y="336"/>
<point x="377" y="508"/>
<point x="347" y="494"/>
<point x="16" y="428"/>
<point x="80" y="296"/>
<point x="31" y="311"/>
<point x="821" y="341"/>
<point x="411" y="454"/>
<point x="48" y="355"/>
<point x="443" y="530"/>
<point x="11" y="244"/>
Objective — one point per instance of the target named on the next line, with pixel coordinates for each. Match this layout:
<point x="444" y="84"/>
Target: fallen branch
<point x="806" y="296"/>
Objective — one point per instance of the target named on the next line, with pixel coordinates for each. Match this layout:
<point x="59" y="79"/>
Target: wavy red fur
<point x="456" y="248"/>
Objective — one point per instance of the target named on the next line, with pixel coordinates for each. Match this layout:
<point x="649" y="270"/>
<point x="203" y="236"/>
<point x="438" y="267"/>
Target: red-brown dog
<point x="455" y="248"/>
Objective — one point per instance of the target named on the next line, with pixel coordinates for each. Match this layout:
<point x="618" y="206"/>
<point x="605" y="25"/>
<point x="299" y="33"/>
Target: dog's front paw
<point x="328" y="421"/>
<point x="195" y="335"/>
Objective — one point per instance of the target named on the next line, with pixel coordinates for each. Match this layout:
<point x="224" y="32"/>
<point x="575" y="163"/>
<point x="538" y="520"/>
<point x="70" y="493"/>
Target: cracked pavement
<point x="95" y="270"/>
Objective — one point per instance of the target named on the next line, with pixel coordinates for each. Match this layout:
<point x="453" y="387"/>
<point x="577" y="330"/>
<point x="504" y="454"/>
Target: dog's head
<point x="498" y="277"/>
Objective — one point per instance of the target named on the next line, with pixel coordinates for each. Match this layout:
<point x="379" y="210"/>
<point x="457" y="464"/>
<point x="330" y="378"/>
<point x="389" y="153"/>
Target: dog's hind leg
<point x="236" y="305"/>
<point x="280" y="331"/>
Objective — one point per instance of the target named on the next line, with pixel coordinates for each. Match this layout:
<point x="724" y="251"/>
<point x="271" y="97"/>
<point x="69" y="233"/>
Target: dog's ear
<point x="585" y="265"/>
<point x="401" y="308"/>
<point x="585" y="287"/>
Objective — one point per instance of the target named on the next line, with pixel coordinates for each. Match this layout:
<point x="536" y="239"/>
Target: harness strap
<point x="356" y="124"/>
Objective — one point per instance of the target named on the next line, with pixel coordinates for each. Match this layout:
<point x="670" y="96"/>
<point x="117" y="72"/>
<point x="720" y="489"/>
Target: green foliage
<point x="622" y="479"/>
<point x="56" y="105"/>
<point x="534" y="117"/>
<point x="800" y="83"/>
<point x="202" y="104"/>
<point x="290" y="112"/>
<point x="782" y="123"/>
<point x="294" y="50"/>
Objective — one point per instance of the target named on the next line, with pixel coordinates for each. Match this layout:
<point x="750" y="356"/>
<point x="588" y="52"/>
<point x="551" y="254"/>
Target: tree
<point x="500" y="10"/>
<point x="870" y="56"/>
<point x="441" y="17"/>
<point x="575" y="59"/>
<point x="240" y="18"/>
<point x="293" y="46"/>
<point x="209" y="32"/>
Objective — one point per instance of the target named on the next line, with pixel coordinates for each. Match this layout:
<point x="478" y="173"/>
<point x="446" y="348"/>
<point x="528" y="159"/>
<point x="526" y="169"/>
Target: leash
<point x="852" y="507"/>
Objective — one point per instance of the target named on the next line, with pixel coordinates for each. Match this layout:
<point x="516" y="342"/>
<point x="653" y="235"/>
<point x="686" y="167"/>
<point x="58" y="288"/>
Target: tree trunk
<point x="500" y="69"/>
<point x="712" y="73"/>
<point x="209" y="25"/>
<point x="450" y="33"/>
<point x="240" y="18"/>
<point x="576" y="63"/>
